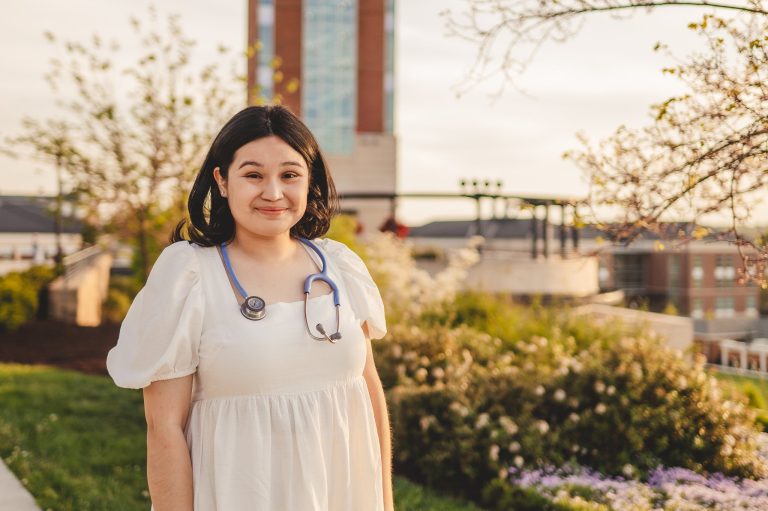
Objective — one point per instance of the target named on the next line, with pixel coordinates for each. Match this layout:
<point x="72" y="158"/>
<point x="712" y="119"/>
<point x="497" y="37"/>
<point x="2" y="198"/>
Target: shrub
<point x="122" y="290"/>
<point x="500" y="496"/>
<point x="464" y="407"/>
<point x="19" y="295"/>
<point x="407" y="290"/>
<point x="755" y="397"/>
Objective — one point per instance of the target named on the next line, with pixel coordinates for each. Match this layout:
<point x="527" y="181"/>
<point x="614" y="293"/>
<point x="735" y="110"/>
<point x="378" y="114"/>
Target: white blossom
<point x="427" y="421"/>
<point x="411" y="289"/>
<point x="508" y="424"/>
<point x="482" y="421"/>
<point x="459" y="409"/>
<point x="493" y="452"/>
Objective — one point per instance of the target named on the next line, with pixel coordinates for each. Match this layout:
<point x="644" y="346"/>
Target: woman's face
<point x="266" y="187"/>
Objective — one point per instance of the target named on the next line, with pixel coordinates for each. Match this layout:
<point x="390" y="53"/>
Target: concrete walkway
<point x="13" y="496"/>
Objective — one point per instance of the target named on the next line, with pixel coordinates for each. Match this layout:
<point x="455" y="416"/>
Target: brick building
<point x="332" y="63"/>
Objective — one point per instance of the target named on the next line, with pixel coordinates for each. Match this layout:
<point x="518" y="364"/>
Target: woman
<point x="249" y="405"/>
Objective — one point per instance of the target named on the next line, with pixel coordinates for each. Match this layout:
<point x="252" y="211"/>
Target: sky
<point x="606" y="76"/>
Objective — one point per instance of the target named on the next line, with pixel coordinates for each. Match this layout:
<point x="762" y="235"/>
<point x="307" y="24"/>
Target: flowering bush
<point x="476" y="385"/>
<point x="464" y="408"/>
<point x="407" y="290"/>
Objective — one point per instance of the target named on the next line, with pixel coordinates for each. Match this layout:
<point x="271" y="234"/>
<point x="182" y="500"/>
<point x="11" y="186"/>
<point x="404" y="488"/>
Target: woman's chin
<point x="270" y="228"/>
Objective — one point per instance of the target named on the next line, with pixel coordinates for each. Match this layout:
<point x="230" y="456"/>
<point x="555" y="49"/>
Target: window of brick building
<point x="697" y="308"/>
<point x="697" y="271"/>
<point x="724" y="307"/>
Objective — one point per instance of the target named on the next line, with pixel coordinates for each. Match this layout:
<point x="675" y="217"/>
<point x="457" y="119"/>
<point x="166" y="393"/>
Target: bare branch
<point x="508" y="33"/>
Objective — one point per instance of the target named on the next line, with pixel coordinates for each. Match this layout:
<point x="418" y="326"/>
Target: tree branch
<point x="652" y="5"/>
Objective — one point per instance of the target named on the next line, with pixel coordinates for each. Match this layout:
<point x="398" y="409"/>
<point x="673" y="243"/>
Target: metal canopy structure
<point x="539" y="226"/>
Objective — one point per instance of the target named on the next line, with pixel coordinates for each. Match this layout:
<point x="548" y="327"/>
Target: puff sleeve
<point x="160" y="335"/>
<point x="367" y="304"/>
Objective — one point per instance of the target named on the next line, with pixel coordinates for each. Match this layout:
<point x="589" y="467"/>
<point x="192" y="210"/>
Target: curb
<point x="13" y="496"/>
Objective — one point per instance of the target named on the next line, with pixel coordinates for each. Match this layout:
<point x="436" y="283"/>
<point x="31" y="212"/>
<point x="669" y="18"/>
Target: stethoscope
<point x="254" y="308"/>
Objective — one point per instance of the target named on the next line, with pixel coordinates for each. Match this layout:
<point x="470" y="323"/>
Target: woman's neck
<point x="266" y="249"/>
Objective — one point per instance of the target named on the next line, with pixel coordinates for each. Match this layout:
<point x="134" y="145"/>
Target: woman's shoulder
<point x="185" y="250"/>
<point x="362" y="289"/>
<point x="334" y="247"/>
<point x="341" y="254"/>
<point x="347" y="261"/>
<point x="177" y="259"/>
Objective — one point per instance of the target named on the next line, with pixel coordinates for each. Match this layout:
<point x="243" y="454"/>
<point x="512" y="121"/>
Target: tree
<point x="52" y="146"/>
<point x="130" y="139"/>
<point x="706" y="150"/>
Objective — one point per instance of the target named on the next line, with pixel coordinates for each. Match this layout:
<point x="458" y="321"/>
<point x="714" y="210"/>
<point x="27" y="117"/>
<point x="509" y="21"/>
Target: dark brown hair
<point x="212" y="224"/>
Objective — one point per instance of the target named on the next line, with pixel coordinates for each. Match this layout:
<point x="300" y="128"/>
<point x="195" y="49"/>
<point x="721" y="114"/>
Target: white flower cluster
<point x="409" y="289"/>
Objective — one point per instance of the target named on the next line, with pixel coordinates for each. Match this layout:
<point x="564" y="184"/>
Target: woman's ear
<point x="220" y="181"/>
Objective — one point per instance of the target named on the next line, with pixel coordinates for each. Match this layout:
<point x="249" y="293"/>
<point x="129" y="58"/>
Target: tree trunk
<point x="143" y="244"/>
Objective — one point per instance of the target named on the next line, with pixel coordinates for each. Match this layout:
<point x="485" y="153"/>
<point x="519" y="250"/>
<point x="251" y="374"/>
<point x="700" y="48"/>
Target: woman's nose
<point x="273" y="190"/>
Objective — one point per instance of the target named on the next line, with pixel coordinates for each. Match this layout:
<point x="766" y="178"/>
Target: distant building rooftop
<point x="520" y="228"/>
<point x="31" y="213"/>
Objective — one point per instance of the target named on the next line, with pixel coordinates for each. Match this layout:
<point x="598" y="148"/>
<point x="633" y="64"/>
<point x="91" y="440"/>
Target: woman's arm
<point x="169" y="467"/>
<point x="379" y="403"/>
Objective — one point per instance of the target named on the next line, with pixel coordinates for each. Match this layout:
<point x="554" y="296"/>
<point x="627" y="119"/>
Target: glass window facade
<point x="389" y="66"/>
<point x="329" y="81"/>
<point x="266" y="49"/>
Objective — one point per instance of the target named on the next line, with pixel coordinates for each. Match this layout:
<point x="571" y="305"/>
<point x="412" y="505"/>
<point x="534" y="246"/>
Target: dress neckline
<point x="222" y="270"/>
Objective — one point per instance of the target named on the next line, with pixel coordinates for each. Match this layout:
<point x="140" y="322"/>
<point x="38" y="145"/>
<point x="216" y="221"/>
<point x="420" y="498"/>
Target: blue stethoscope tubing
<point x="259" y="305"/>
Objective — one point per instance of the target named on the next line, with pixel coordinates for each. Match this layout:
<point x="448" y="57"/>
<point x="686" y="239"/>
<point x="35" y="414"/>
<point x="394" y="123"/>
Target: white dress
<point x="278" y="420"/>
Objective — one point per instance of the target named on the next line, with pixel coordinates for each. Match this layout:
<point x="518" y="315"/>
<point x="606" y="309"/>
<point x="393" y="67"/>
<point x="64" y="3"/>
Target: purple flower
<point x="666" y="488"/>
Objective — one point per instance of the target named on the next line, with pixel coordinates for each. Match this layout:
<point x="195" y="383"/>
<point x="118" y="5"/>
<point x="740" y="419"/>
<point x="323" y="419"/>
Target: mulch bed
<point x="60" y="344"/>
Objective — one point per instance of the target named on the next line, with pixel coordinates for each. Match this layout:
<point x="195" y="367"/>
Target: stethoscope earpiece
<point x="332" y="338"/>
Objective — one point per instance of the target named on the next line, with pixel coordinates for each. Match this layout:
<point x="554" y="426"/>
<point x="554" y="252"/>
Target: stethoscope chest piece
<point x="253" y="308"/>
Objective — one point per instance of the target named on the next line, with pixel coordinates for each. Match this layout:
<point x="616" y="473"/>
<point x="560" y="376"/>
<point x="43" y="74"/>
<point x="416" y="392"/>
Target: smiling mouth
<point x="271" y="211"/>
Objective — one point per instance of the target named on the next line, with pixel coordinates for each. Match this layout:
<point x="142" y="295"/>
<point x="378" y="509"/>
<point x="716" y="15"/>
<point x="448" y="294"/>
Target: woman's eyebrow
<point x="257" y="164"/>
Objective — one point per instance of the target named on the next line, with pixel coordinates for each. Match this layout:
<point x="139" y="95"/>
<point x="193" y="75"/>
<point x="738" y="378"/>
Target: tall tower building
<point x="332" y="63"/>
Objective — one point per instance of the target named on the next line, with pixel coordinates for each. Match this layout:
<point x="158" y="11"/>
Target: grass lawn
<point x="761" y="384"/>
<point x="77" y="442"/>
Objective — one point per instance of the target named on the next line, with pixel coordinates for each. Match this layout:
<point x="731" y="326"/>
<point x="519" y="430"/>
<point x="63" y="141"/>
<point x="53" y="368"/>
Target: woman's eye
<point x="289" y="175"/>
